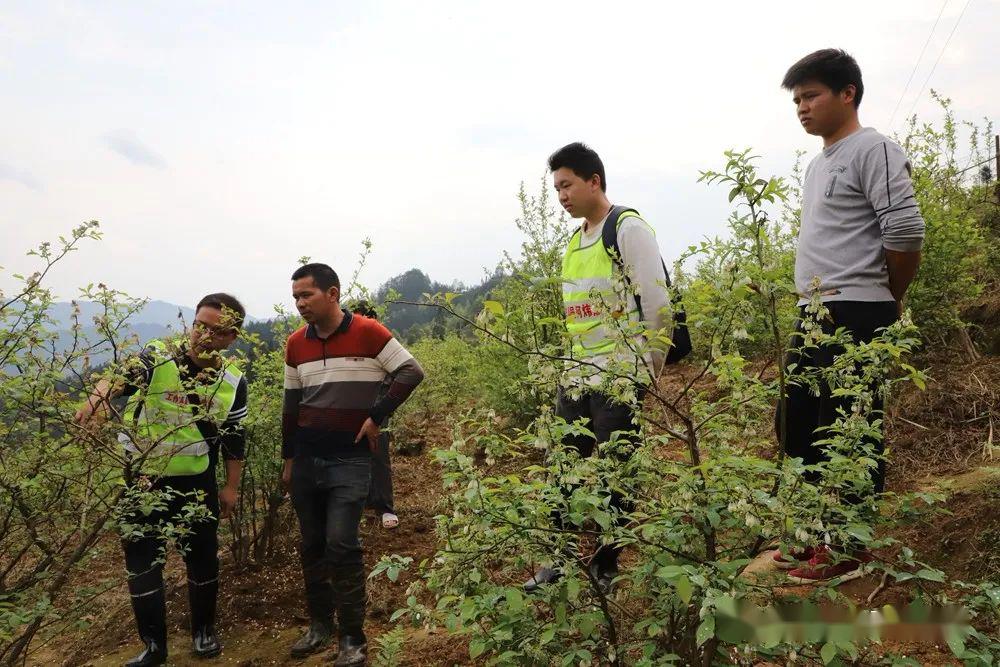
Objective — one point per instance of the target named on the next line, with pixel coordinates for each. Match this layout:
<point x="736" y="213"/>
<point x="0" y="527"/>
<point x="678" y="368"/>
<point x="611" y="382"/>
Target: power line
<point x="978" y="164"/>
<point x="944" y="177"/>
<point x="943" y="48"/>
<point x="917" y="64"/>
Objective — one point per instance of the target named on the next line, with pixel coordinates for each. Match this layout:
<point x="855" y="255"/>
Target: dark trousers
<point x="329" y="497"/>
<point x="380" y="494"/>
<point x="602" y="417"/>
<point x="144" y="557"/>
<point x="807" y="413"/>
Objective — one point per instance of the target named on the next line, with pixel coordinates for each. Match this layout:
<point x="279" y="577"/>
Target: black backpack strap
<point x="609" y="236"/>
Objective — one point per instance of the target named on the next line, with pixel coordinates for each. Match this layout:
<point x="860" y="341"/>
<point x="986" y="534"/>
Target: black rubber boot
<point x="202" y="597"/>
<point x="204" y="643"/>
<point x="604" y="567"/>
<point x="349" y="594"/>
<point x="352" y="651"/>
<point x="544" y="576"/>
<point x="150" y="611"/>
<point x="317" y="638"/>
<point x="604" y="577"/>
<point x="152" y="654"/>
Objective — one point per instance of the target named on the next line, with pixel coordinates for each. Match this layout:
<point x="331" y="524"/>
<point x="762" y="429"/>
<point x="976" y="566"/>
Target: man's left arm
<point x="641" y="255"/>
<point x="885" y="175"/>
<point x="404" y="375"/>
<point x="232" y="443"/>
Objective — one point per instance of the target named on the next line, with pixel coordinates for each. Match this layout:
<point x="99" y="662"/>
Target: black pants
<point x="603" y="417"/>
<point x="380" y="494"/>
<point x="200" y="548"/>
<point x="806" y="412"/>
<point x="329" y="497"/>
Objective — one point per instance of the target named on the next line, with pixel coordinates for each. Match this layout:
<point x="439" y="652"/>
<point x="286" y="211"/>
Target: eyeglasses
<point x="213" y="329"/>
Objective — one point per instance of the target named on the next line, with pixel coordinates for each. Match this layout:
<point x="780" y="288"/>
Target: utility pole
<point x="996" y="173"/>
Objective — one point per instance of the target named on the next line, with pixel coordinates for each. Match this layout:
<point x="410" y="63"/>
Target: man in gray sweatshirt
<point x="859" y="248"/>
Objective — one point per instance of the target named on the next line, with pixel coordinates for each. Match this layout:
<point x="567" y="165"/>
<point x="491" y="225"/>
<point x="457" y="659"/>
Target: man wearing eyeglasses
<point x="185" y="404"/>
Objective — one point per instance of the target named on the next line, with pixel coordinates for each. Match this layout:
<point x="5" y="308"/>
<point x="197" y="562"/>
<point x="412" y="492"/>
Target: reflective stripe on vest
<point x="587" y="274"/>
<point x="163" y="418"/>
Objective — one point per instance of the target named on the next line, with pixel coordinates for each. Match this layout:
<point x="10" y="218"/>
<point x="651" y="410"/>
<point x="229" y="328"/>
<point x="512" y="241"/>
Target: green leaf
<point x="828" y="653"/>
<point x="586" y="627"/>
<point x="515" y="601"/>
<point x="684" y="589"/>
<point x="573" y="588"/>
<point x="705" y="630"/>
<point x="860" y="531"/>
<point x="931" y="575"/>
<point x="956" y="640"/>
<point x="494" y="307"/>
<point x="561" y="614"/>
<point x="476" y="648"/>
<point x="669" y="571"/>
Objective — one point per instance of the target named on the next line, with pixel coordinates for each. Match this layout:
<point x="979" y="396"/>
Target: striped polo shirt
<point x="333" y="384"/>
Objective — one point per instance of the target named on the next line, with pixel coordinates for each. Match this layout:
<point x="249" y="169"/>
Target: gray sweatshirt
<point x="857" y="200"/>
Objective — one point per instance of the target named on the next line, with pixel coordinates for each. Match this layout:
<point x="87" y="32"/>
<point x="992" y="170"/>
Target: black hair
<point x="834" y="68"/>
<point x="322" y="275"/>
<point x="223" y="302"/>
<point x="581" y="159"/>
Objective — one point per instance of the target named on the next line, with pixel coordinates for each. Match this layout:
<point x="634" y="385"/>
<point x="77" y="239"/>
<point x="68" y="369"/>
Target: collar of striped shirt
<point x="345" y="323"/>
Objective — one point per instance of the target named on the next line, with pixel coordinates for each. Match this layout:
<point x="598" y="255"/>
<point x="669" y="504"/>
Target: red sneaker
<point x="795" y="558"/>
<point x="824" y="566"/>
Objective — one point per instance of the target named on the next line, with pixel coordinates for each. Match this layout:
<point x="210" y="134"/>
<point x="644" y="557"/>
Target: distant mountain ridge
<point x="155" y="314"/>
<point x="156" y="319"/>
<point x="161" y="318"/>
<point x="411" y="322"/>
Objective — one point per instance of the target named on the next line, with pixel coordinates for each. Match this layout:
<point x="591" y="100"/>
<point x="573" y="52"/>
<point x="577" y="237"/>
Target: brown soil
<point x="950" y="427"/>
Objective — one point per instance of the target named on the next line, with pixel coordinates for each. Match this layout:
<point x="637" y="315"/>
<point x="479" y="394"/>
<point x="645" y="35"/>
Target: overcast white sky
<point x="219" y="142"/>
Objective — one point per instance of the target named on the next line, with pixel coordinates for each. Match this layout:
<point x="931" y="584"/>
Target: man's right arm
<point x="99" y="399"/>
<point x="137" y="373"/>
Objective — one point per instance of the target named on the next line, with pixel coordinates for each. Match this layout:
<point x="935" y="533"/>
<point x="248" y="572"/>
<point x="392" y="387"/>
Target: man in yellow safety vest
<point x="185" y="404"/>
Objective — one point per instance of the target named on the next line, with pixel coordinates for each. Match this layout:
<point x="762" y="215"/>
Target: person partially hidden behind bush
<point x="611" y="241"/>
<point x="380" y="497"/>
<point x="185" y="405"/>
<point x="859" y="241"/>
<point x="335" y="370"/>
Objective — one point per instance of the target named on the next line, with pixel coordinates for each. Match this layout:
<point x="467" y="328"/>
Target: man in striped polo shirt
<point x="344" y="375"/>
